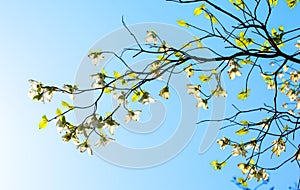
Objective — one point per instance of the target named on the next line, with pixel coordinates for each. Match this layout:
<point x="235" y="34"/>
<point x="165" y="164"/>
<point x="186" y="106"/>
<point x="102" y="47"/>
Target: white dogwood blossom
<point x="133" y="116"/>
<point x="96" y="57"/>
<point x="98" y="80"/>
<point x="151" y="37"/>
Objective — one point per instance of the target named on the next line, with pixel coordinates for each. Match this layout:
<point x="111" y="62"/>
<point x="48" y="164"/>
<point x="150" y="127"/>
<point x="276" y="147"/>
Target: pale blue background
<point x="46" y="40"/>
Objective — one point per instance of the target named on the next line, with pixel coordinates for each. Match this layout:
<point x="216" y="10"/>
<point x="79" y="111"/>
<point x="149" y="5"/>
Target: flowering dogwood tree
<point x="246" y="44"/>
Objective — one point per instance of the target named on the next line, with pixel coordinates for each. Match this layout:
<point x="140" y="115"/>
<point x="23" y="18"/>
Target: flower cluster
<point x="243" y="41"/>
<point x="278" y="146"/>
<point x="70" y="90"/>
<point x="223" y="142"/>
<point x="133" y="115"/>
<point x="39" y="92"/>
<point x="96" y="57"/>
<point x="238" y="149"/>
<point x="151" y="37"/>
<point x="253" y="172"/>
<point x="99" y="80"/>
<point x="234" y="69"/>
<point x="165" y="92"/>
<point x="195" y="90"/>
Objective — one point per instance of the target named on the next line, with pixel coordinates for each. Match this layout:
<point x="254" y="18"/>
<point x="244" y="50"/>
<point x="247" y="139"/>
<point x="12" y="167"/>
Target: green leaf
<point x="292" y="3"/>
<point x="281" y="29"/>
<point x="178" y="54"/>
<point x="132" y="75"/>
<point x="244" y="122"/>
<point x="245" y="62"/>
<point x="210" y="17"/>
<point x="242" y="181"/>
<point x="242" y="131"/>
<point x="273" y="2"/>
<point x="117" y="74"/>
<point x="124" y="82"/>
<point x="243" y="41"/>
<point x="135" y="97"/>
<point x="58" y="111"/>
<point x="104" y="72"/>
<point x="217" y="165"/>
<point x="108" y="90"/>
<point x="65" y="104"/>
<point x="244" y="94"/>
<point x="43" y="123"/>
<point x="274" y="32"/>
<point x="182" y="23"/>
<point x="199" y="10"/>
<point x="199" y="43"/>
<point x="204" y="78"/>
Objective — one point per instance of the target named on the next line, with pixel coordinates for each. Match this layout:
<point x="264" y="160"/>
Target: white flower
<point x="85" y="146"/>
<point x="252" y="145"/>
<point x="104" y="140"/>
<point x="164" y="47"/>
<point x="297" y="45"/>
<point x="146" y="98"/>
<point x="59" y="125"/>
<point x="120" y="97"/>
<point x="202" y="103"/>
<point x="151" y="37"/>
<point x="96" y="57"/>
<point x="33" y="89"/>
<point x="291" y="112"/>
<point x="75" y="139"/>
<point x="70" y="136"/>
<point x="70" y="90"/>
<point x="48" y="95"/>
<point x="82" y="129"/>
<point x="265" y="123"/>
<point x="284" y="105"/>
<point x="244" y="167"/>
<point x="94" y="121"/>
<point x="110" y="124"/>
<point x="220" y="92"/>
<point x="60" y="129"/>
<point x="223" y="142"/>
<point x="271" y="85"/>
<point x="165" y="92"/>
<point x="238" y="150"/>
<point x="99" y="80"/>
<point x="193" y="89"/>
<point x="291" y="94"/>
<point x="280" y="75"/>
<point x="232" y="72"/>
<point x="278" y="146"/>
<point x="261" y="174"/>
<point x="234" y="69"/>
<point x="298" y="104"/>
<point x="189" y="70"/>
<point x="155" y="65"/>
<point x="133" y="115"/>
<point x="294" y="76"/>
<point x="67" y="137"/>
<point x="40" y="93"/>
<point x="36" y="91"/>
<point x="155" y="69"/>
<point x="297" y="155"/>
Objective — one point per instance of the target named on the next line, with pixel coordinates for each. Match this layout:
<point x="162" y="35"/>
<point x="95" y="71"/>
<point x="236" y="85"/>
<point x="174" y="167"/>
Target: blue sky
<point x="47" y="41"/>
